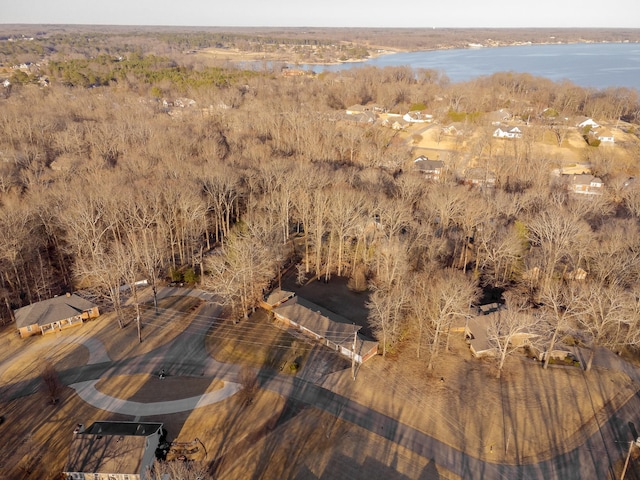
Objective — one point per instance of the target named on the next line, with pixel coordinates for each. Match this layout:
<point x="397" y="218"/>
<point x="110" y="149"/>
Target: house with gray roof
<point x="328" y="328"/>
<point x="113" y="450"/>
<point x="432" y="169"/>
<point x="54" y="314"/>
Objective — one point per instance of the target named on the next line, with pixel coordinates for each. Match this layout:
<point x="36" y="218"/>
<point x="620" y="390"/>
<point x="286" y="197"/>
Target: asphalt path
<point x="187" y="355"/>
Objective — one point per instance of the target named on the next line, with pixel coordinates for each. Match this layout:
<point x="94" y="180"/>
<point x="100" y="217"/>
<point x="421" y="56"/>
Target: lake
<point x="597" y="65"/>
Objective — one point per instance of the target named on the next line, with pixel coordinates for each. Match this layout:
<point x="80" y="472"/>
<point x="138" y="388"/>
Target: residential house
<point x="55" y="314"/>
<point x="582" y="122"/>
<point x="184" y="102"/>
<point x="456" y="128"/>
<point x="356" y="109"/>
<point x="113" y="451"/>
<point x="417" y="117"/>
<point x="479" y="177"/>
<point x="328" y="328"/>
<point x="477" y="334"/>
<point x="578" y="275"/>
<point x="604" y="135"/>
<point x="432" y="169"/>
<point x="499" y="116"/>
<point x="507" y="132"/>
<point x="363" y="118"/>
<point x="399" y="124"/>
<point x="585" y="184"/>
<point x="276" y="298"/>
<point x="293" y="72"/>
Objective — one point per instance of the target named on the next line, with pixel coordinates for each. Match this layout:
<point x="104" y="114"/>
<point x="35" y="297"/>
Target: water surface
<point x="598" y="65"/>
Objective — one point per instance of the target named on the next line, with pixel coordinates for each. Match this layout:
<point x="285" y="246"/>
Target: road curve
<point x="187" y="355"/>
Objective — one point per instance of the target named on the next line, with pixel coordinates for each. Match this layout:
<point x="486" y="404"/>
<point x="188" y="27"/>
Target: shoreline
<point x="218" y="54"/>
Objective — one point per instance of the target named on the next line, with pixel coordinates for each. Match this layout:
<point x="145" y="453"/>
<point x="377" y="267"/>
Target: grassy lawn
<point x="257" y="342"/>
<point x="174" y="316"/>
<point x="145" y="388"/>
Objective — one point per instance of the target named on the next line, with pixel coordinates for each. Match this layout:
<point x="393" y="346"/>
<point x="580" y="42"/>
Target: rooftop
<point x="52" y="310"/>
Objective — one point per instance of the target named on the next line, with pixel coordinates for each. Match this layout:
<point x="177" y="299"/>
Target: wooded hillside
<point x="165" y="171"/>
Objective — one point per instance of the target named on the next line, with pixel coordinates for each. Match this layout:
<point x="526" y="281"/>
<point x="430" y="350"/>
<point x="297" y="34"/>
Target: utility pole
<point x="353" y="352"/>
<point x="626" y="462"/>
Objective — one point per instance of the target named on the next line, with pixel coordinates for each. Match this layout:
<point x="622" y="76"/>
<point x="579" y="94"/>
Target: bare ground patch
<point x="145" y="388"/>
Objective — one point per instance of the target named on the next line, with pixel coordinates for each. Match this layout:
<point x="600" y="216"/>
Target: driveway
<point x="187" y="355"/>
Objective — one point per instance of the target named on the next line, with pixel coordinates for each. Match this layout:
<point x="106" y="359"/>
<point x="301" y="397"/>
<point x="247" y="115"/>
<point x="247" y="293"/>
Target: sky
<point x="327" y="13"/>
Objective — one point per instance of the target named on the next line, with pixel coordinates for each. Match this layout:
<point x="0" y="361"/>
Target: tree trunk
<point x="503" y="356"/>
<point x="551" y="345"/>
<point x="590" y="360"/>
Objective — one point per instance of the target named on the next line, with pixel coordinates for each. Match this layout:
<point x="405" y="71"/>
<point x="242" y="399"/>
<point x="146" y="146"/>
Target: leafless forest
<point x="237" y="175"/>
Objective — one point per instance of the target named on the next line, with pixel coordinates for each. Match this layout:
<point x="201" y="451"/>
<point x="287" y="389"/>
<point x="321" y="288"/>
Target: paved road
<point x="187" y="355"/>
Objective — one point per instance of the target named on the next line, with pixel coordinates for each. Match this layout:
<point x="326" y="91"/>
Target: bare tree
<point x="499" y="252"/>
<point x="249" y="385"/>
<point x="558" y="234"/>
<point x="560" y="302"/>
<point x="507" y="332"/>
<point x="441" y="297"/>
<point x="241" y="270"/>
<point x="601" y="315"/>
<point x="386" y="314"/>
<point x="192" y="470"/>
<point x="51" y="384"/>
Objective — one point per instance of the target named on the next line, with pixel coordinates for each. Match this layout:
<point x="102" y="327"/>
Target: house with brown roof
<point x="54" y="314"/>
<point x="113" y="451"/>
<point x="480" y="177"/>
<point x="276" y="298"/>
<point x="477" y="333"/>
<point x="328" y="328"/>
<point x="604" y="135"/>
<point x="585" y="184"/>
<point x="432" y="169"/>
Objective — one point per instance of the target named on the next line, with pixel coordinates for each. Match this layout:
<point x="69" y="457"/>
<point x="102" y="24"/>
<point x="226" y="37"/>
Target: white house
<point x="507" y="132"/>
<point x="604" y="135"/>
<point x="587" y="122"/>
<point x="417" y="117"/>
